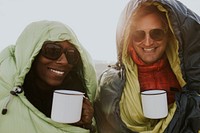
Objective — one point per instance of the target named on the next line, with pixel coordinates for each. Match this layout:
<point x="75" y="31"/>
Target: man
<point x="157" y="45"/>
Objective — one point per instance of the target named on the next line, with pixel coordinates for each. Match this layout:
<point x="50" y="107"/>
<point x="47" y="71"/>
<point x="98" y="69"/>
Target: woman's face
<point x="149" y="49"/>
<point x="52" y="72"/>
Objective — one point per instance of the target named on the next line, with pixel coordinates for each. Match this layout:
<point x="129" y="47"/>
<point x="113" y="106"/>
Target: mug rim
<point x="157" y="93"/>
<point x="68" y="92"/>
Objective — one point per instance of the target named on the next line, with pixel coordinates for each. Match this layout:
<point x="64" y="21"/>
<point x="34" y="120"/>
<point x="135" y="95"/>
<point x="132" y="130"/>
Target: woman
<point x="47" y="57"/>
<point x="157" y="42"/>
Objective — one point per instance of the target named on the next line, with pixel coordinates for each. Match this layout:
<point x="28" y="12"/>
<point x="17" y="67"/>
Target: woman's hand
<point x="87" y="114"/>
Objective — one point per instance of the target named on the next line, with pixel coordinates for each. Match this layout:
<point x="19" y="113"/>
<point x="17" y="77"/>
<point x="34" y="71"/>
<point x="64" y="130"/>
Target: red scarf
<point x="158" y="75"/>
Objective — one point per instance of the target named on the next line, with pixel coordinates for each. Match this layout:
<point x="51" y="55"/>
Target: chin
<point x="54" y="84"/>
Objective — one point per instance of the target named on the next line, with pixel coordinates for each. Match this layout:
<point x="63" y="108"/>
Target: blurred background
<point x="93" y="21"/>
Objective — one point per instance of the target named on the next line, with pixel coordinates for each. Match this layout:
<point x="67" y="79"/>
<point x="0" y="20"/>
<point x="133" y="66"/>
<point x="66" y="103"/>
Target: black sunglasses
<point x="53" y="51"/>
<point x="155" y="34"/>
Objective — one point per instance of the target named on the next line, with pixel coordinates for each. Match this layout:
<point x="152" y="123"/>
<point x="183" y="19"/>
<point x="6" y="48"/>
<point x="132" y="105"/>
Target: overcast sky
<point x="93" y="21"/>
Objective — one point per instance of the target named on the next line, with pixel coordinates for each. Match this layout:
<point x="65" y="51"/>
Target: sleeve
<point x="187" y="115"/>
<point x="106" y="105"/>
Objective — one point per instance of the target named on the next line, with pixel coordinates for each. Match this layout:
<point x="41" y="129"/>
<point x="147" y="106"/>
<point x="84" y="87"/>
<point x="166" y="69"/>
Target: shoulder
<point x="111" y="84"/>
<point x="112" y="76"/>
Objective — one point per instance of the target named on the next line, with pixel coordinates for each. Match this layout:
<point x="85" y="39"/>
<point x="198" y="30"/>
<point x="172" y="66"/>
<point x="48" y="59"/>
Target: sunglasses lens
<point x="72" y="56"/>
<point x="157" y="34"/>
<point x="138" y="35"/>
<point x="51" y="51"/>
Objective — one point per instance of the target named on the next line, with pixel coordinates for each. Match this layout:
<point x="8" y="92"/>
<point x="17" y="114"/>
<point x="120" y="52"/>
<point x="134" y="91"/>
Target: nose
<point x="148" y="40"/>
<point x="62" y="59"/>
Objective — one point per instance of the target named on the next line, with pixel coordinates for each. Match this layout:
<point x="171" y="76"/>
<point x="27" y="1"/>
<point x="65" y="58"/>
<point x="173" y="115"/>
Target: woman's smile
<point x="57" y="72"/>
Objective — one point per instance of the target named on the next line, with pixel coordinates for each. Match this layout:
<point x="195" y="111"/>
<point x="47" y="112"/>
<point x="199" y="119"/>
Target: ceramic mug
<point x="154" y="104"/>
<point x="67" y="106"/>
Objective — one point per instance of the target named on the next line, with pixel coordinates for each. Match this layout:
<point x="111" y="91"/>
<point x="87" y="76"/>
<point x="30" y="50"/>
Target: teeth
<point x="149" y="49"/>
<point x="57" y="72"/>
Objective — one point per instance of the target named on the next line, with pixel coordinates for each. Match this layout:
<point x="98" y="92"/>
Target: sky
<point x="93" y="21"/>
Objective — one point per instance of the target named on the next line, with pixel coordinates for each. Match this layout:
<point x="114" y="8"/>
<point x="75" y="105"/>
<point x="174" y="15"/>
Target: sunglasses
<point x="155" y="34"/>
<point x="53" y="51"/>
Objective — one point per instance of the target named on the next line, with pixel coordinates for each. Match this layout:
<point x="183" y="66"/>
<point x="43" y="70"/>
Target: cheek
<point x="41" y="66"/>
<point x="40" y="70"/>
<point x="134" y="45"/>
<point x="164" y="45"/>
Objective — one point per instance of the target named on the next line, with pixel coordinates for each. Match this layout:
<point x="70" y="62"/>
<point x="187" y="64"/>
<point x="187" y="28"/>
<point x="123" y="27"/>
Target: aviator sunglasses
<point x="155" y="34"/>
<point x="53" y="51"/>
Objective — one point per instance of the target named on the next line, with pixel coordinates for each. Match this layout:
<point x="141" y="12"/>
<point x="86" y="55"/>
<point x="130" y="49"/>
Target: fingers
<point x="87" y="111"/>
<point x="87" y="105"/>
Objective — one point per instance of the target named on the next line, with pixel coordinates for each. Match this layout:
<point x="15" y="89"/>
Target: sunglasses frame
<point x="56" y="46"/>
<point x="152" y="34"/>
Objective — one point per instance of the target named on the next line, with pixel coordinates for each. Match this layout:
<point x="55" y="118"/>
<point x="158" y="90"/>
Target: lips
<point x="58" y="72"/>
<point x="149" y="49"/>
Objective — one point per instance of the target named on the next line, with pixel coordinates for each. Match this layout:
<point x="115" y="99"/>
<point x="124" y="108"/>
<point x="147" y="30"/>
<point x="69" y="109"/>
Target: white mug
<point x="154" y="104"/>
<point x="67" y="106"/>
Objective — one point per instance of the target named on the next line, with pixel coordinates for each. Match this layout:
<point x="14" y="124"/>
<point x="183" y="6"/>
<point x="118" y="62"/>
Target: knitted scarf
<point x="158" y="75"/>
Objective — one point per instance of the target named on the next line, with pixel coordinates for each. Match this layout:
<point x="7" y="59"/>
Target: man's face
<point x="149" y="44"/>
